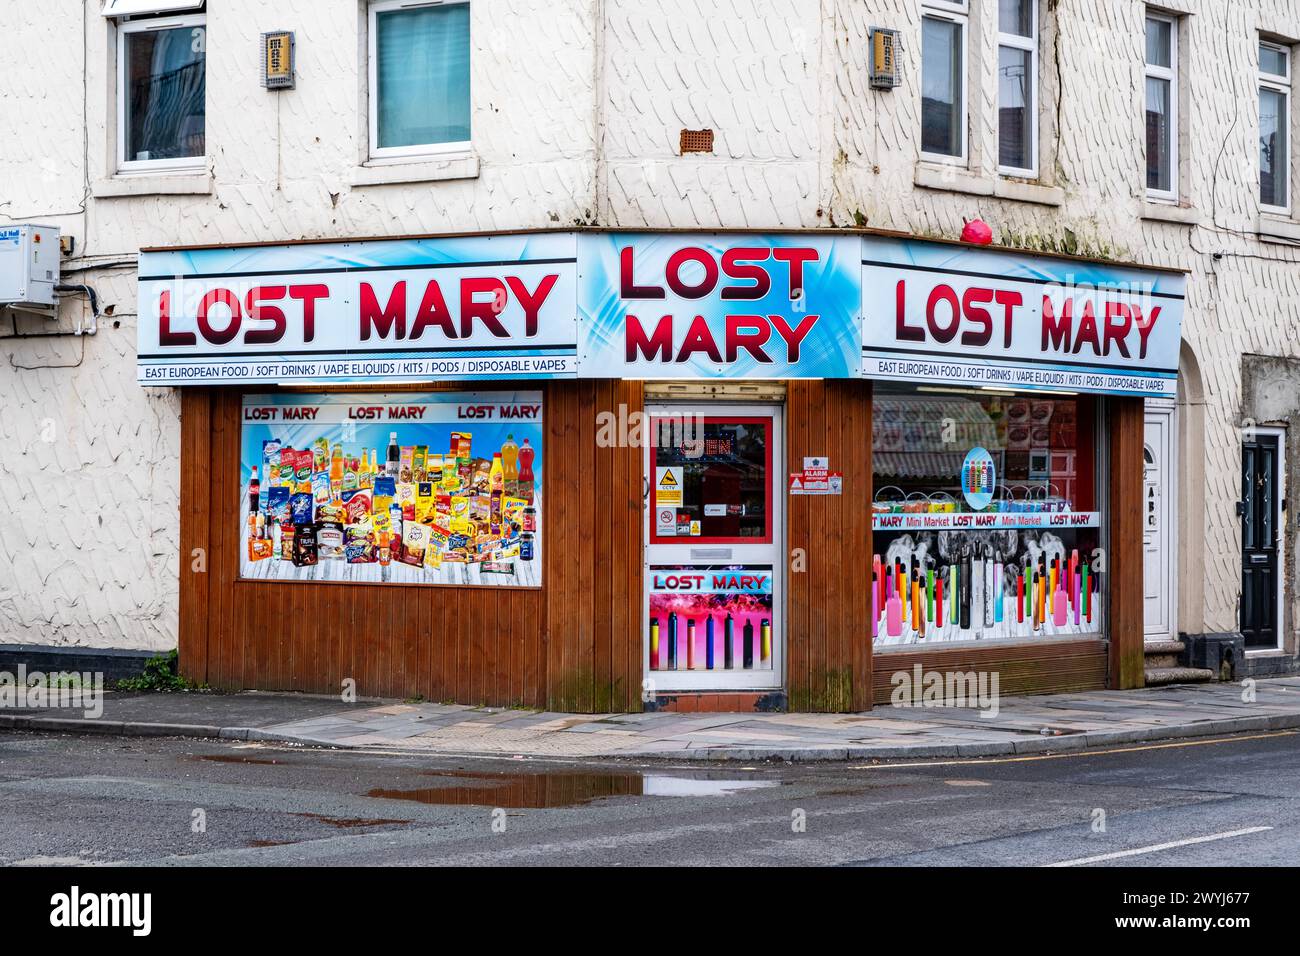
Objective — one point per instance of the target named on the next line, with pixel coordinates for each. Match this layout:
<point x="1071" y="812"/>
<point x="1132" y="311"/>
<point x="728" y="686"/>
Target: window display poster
<point x="973" y="585"/>
<point x="404" y="487"/>
<point x="710" y="617"/>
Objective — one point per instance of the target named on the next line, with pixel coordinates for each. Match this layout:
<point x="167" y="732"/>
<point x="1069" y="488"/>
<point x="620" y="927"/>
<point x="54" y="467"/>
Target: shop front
<point x="599" y="471"/>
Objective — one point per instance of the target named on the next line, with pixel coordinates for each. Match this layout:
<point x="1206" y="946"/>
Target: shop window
<point x="985" y="517"/>
<point x="419" y="78"/>
<point x="943" y="79"/>
<point x="402" y="488"/>
<point x="1162" y="106"/>
<point x="1018" y="87"/>
<point x="1274" y="124"/>
<point x="161" y="87"/>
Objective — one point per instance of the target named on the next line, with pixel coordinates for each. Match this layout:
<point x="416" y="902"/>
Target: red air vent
<point x="697" y="141"/>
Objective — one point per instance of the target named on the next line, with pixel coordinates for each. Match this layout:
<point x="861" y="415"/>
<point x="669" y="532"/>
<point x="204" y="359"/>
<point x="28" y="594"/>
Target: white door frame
<point x="756" y="679"/>
<point x="1167" y="410"/>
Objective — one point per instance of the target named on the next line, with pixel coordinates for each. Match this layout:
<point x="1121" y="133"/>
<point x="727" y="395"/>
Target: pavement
<point x="1051" y="723"/>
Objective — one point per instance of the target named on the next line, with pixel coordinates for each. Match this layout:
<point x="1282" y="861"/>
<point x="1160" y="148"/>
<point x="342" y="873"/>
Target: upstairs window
<point x="419" y="78"/>
<point x="1018" y="87"/>
<point x="1162" y="106"/>
<point x="161" y="85"/>
<point x="1274" y="124"/>
<point x="943" y="79"/>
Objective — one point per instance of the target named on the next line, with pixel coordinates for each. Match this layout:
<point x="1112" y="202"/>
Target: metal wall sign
<point x="656" y="306"/>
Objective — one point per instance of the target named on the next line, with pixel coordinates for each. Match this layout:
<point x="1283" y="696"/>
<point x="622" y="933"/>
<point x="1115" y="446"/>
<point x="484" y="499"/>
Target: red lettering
<point x="796" y="259"/>
<point x="531" y="302"/>
<point x="660" y="344"/>
<point x="674" y="267"/>
<point x="383" y="321"/>
<point x="1008" y="300"/>
<point x="230" y="301"/>
<point x="433" y="311"/>
<point x="628" y="289"/>
<point x="1057" y="329"/>
<point x="274" y="314"/>
<point x="793" y="336"/>
<point x="972" y="302"/>
<point x="748" y="332"/>
<point x="1117" y="330"/>
<point x="166" y="336"/>
<point x="739" y="263"/>
<point x="485" y="312"/>
<point x="942" y="293"/>
<point x="902" y="331"/>
<point x="1145" y="327"/>
<point x="1087" y="330"/>
<point x="309" y="294"/>
<point x="699" y="339"/>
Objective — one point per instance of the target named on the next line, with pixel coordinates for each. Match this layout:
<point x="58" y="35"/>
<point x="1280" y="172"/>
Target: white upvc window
<point x="1018" y="88"/>
<point x="419" y="78"/>
<point x="1162" y="106"/>
<point x="1274" y="128"/>
<point x="161" y="88"/>
<point x="944" y="27"/>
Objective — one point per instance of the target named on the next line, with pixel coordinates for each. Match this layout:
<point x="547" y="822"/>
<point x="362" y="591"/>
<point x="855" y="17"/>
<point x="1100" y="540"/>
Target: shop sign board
<point x="680" y="305"/>
<point x="941" y="313"/>
<point x="478" y="307"/>
<point x="655" y="306"/>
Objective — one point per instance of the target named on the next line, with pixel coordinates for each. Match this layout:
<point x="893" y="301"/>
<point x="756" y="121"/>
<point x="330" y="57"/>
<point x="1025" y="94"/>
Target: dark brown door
<point x="1261" y="513"/>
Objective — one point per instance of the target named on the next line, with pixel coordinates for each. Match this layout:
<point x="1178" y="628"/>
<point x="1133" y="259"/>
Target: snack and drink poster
<point x="407" y="488"/>
<point x="710" y="617"/>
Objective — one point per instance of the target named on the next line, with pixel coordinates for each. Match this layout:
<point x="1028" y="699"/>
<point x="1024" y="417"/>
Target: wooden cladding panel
<point x="1124" y="560"/>
<point x="827" y="620"/>
<point x="1046" y="668"/>
<point x="573" y="644"/>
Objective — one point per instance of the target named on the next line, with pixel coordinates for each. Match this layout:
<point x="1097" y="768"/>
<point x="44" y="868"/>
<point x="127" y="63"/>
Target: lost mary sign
<point x="676" y="305"/>
<point x="942" y="313"/>
<point x="478" y="307"/>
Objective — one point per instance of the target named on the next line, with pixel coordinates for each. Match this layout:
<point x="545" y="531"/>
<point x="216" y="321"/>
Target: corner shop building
<point x="597" y="470"/>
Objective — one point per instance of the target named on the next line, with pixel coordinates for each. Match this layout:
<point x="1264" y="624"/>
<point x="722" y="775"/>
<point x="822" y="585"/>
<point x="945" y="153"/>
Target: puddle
<point x="541" y="791"/>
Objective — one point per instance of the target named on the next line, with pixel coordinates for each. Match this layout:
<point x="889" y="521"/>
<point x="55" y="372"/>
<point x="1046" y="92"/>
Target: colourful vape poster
<point x="705" y="618"/>
<point x="404" y="487"/>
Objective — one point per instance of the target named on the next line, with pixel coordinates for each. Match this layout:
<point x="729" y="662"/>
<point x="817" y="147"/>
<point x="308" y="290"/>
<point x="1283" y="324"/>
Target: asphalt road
<point x="96" y="799"/>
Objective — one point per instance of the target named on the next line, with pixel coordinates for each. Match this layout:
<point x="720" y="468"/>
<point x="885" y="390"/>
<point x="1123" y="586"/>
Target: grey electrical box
<point x="884" y="59"/>
<point x="277" y="60"/>
<point x="29" y="265"/>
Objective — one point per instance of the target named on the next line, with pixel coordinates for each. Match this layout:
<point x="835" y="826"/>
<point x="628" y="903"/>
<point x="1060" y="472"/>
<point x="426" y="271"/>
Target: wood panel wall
<point x="1052" y="667"/>
<point x="828" y="617"/>
<point x="1124" y="551"/>
<point x="574" y="644"/>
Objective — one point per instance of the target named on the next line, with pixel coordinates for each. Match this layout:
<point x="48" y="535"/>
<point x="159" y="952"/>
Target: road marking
<point x="1070" y="753"/>
<point x="1156" y="848"/>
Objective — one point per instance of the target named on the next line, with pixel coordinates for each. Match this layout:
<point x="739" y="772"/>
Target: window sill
<point x="956" y="180"/>
<point x="1155" y="211"/>
<point x="384" y="172"/>
<point x="1277" y="229"/>
<point x="188" y="183"/>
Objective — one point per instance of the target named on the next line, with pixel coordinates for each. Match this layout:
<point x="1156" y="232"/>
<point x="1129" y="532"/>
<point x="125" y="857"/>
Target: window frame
<point x="1030" y="45"/>
<point x="153" y="24"/>
<point x="1275" y="83"/>
<point x="1170" y="75"/>
<point x="957" y="12"/>
<point x="376" y="153"/>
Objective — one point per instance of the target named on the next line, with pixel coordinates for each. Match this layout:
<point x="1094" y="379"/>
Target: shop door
<point x="1158" y="575"/>
<point x="714" y="581"/>
<point x="1261" y="514"/>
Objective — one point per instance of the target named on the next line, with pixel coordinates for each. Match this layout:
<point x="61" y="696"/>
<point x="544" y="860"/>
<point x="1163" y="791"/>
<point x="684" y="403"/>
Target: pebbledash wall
<point x="584" y="130"/>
